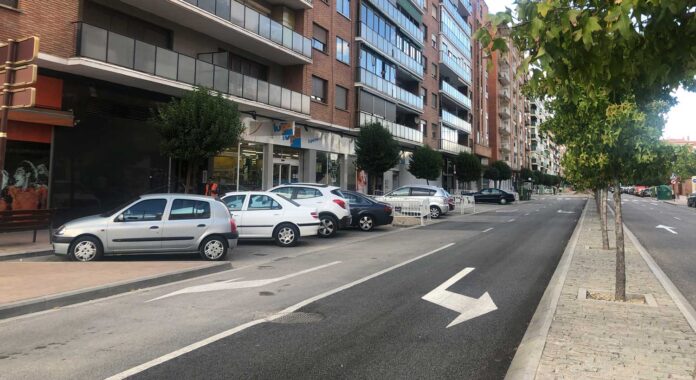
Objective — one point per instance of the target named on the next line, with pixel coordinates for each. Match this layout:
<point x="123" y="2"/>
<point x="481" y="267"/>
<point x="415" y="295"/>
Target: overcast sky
<point x="682" y="118"/>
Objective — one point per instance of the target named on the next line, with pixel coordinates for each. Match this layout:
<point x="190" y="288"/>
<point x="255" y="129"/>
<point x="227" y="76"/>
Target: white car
<point x="333" y="207"/>
<point x="262" y="215"/>
<point x="439" y="200"/>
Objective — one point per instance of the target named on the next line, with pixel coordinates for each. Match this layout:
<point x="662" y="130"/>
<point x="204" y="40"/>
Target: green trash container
<point x="664" y="193"/>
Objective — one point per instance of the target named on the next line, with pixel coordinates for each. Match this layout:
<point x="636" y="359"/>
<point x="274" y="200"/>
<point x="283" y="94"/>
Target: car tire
<point x="435" y="212"/>
<point x="213" y="248"/>
<point x="503" y="201"/>
<point x="328" y="225"/>
<point x="85" y="249"/>
<point x="366" y="222"/>
<point x="286" y="235"/>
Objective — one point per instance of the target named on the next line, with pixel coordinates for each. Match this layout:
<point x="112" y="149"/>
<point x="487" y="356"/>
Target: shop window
<point x="319" y="89"/>
<point x="25" y="181"/>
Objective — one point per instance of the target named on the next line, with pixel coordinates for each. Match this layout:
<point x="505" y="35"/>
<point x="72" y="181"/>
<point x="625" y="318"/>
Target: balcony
<point x="453" y="9"/>
<point x="451" y="92"/>
<point x="453" y="147"/>
<point x="399" y="131"/>
<point x="390" y="50"/>
<point x="504" y="96"/>
<point x="395" y="15"/>
<point x="419" y="4"/>
<point x="455" y="122"/>
<point x="150" y="66"/>
<point x="456" y="65"/>
<point x="504" y="128"/>
<point x="456" y="37"/>
<point x="397" y="93"/>
<point x="236" y="24"/>
<point x="504" y="112"/>
<point x="504" y="77"/>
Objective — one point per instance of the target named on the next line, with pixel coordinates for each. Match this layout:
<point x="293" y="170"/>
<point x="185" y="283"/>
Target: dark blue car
<point x="366" y="212"/>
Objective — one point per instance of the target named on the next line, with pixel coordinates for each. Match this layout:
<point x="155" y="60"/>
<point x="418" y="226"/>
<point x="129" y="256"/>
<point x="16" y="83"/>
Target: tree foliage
<point x="426" y="163"/>
<point x="504" y="170"/>
<point x="197" y="126"/>
<point x="492" y="174"/>
<point x="376" y="151"/>
<point x="684" y="162"/>
<point x="526" y="174"/>
<point x="468" y="167"/>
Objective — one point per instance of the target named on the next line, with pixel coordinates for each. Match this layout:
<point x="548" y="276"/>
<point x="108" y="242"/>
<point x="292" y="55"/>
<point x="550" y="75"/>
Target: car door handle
<point x="154" y="227"/>
<point x="201" y="225"/>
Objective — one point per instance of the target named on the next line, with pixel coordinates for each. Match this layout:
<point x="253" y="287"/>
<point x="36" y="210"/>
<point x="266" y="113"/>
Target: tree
<point x="197" y="126"/>
<point x="426" y="163"/>
<point x="526" y="174"/>
<point x="684" y="162"/>
<point x="468" y="167"/>
<point x="376" y="151"/>
<point x="504" y="171"/>
<point x="492" y="174"/>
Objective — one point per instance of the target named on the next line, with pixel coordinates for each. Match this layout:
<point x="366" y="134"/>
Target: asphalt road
<point x="383" y="329"/>
<point x="379" y="328"/>
<point x="675" y="253"/>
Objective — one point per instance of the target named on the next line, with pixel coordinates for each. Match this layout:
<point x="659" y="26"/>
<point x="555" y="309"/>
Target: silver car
<point x="154" y="223"/>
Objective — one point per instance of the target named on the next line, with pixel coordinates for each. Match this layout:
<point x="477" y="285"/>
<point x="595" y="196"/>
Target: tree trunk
<point x="598" y="197"/>
<point x="189" y="173"/>
<point x="620" y="290"/>
<point x="603" y="217"/>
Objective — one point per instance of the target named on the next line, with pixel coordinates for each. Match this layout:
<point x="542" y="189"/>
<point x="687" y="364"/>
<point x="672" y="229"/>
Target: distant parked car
<point x="645" y="193"/>
<point x="440" y="201"/>
<point x="493" y="196"/>
<point x="154" y="223"/>
<point x="262" y="215"/>
<point x="368" y="213"/>
<point x="334" y="211"/>
<point x="691" y="200"/>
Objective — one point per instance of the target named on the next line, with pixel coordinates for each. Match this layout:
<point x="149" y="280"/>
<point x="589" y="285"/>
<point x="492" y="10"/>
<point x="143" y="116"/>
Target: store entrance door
<point x="285" y="173"/>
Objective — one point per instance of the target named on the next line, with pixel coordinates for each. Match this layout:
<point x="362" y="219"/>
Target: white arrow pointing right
<point x="670" y="229"/>
<point x="467" y="307"/>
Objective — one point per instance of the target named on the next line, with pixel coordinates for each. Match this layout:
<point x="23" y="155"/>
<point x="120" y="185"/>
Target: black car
<point x="492" y="196"/>
<point x="691" y="200"/>
<point x="366" y="212"/>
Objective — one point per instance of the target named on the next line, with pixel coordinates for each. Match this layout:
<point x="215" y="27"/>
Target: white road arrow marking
<point x="467" y="307"/>
<point x="670" y="229"/>
<point x="234" y="284"/>
<point x="565" y="212"/>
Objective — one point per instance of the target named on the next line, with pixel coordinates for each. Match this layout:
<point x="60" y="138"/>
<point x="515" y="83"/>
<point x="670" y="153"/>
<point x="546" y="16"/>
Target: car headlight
<point x="60" y="230"/>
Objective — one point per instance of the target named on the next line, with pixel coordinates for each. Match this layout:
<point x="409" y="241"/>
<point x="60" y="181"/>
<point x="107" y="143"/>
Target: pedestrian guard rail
<point x="409" y="208"/>
<point x="465" y="203"/>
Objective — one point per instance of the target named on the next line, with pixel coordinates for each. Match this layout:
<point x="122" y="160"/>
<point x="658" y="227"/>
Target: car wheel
<point x="503" y="201"/>
<point x="213" y="248"/>
<point x="86" y="248"/>
<point x="328" y="226"/>
<point x="435" y="212"/>
<point x="366" y="223"/>
<point x="286" y="235"/>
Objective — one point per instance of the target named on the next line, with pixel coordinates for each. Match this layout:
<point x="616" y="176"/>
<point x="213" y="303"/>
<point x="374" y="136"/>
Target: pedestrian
<point x="211" y="188"/>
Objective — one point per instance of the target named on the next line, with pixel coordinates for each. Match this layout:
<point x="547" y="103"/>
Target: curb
<point x="82" y="295"/>
<point x="526" y="361"/>
<point x="26" y="254"/>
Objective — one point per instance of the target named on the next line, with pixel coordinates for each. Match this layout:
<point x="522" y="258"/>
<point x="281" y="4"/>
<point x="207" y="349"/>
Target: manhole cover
<point x="299" y="317"/>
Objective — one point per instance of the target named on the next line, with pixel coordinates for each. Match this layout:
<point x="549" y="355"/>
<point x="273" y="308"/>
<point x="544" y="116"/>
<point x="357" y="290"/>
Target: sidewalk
<point x="14" y="245"/>
<point x="681" y="201"/>
<point x="591" y="339"/>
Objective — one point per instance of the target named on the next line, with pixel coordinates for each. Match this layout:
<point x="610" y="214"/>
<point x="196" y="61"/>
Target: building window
<point x="425" y="65"/>
<point x="425" y="33"/>
<point x="341" y="98"/>
<point x="433" y="130"/>
<point x="342" y="50"/>
<point x="434" y="99"/>
<point x="433" y="10"/>
<point x="318" y="89"/>
<point x="319" y="38"/>
<point x="434" y="69"/>
<point x="424" y="95"/>
<point x="10" y="3"/>
<point x="433" y="40"/>
<point x="425" y="128"/>
<point x="343" y="7"/>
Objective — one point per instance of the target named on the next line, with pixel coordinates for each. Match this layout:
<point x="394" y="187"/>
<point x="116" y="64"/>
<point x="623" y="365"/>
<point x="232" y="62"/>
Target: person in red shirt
<point x="211" y="188"/>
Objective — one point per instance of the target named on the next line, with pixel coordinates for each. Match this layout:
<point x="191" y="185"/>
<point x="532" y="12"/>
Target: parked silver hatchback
<point x="154" y="223"/>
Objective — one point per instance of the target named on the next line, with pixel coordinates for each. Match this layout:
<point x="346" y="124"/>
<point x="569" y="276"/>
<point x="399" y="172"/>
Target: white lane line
<point x="677" y="218"/>
<point x="487" y="229"/>
<point x="527" y="214"/>
<point x="202" y="343"/>
<point x="511" y="220"/>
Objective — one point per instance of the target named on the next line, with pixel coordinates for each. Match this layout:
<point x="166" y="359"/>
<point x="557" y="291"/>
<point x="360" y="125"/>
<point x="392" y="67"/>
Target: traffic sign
<point x="23" y="76"/>
<point x="25" y="51"/>
<point x="22" y="98"/>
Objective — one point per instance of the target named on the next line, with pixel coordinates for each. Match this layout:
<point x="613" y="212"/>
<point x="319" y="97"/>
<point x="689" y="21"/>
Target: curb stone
<point x="26" y="254"/>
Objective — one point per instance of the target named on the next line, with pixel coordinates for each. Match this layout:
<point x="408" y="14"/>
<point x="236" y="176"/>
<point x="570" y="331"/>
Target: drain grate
<point x="299" y="317"/>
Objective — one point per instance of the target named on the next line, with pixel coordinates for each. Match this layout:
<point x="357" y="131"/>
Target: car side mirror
<point x="120" y="218"/>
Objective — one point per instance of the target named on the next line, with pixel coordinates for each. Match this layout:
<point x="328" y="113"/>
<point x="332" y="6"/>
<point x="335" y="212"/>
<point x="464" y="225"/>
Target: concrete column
<point x="343" y="162"/>
<point x="309" y="166"/>
<point x="267" y="175"/>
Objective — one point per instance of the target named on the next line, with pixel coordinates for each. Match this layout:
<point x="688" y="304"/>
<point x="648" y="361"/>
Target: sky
<point x="681" y="120"/>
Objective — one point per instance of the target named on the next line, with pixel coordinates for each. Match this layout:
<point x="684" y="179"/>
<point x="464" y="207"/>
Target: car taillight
<point x="233" y="226"/>
<point x="388" y="210"/>
<point x="314" y="215"/>
<point x="340" y="202"/>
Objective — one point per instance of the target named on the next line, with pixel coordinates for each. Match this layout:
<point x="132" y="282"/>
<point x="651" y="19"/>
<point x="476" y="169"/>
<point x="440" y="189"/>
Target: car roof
<point x="177" y="195"/>
<point x="432" y="187"/>
<point x="321" y="185"/>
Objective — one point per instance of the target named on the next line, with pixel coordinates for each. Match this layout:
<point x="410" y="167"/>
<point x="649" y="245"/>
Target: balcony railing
<point x="504" y="112"/>
<point x="456" y="65"/>
<point x="505" y="127"/>
<point x="397" y="130"/>
<point x="102" y="45"/>
<point x="390" y="89"/>
<point x="459" y="40"/>
<point x="399" y="18"/>
<point x="453" y="147"/>
<point x="253" y="21"/>
<point x="386" y="47"/>
<point x="419" y="3"/>
<point x="455" y="122"/>
<point x="455" y="95"/>
<point x="452" y="8"/>
<point x="504" y="77"/>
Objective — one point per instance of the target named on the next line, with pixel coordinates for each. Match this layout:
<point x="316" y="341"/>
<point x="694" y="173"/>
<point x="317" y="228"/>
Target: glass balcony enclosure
<point x="455" y="122"/>
<point x="397" y="130"/>
<point x="455" y="94"/>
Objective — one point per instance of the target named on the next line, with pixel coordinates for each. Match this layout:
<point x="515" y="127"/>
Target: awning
<point x="407" y="6"/>
<point x="43" y="116"/>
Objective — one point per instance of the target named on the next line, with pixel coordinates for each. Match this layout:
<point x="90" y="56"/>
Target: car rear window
<point x="183" y="209"/>
<point x="338" y="193"/>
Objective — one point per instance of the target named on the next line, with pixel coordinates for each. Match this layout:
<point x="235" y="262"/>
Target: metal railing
<point x="455" y="94"/>
<point x="455" y="122"/>
<point x="457" y="65"/>
<point x="453" y="147"/>
<point x="106" y="46"/>
<point x="257" y="23"/>
<point x="391" y="50"/>
<point x="399" y="18"/>
<point x="465" y="203"/>
<point x="397" y="130"/>
<point x="390" y="89"/>
<point x="404" y="208"/>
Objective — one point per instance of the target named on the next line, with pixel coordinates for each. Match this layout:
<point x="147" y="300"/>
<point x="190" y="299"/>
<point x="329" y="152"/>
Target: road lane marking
<point x="511" y="220"/>
<point x="677" y="218"/>
<point x="235" y="284"/>
<point x="565" y="212"/>
<point x="467" y="307"/>
<point x="526" y="214"/>
<point x="202" y="343"/>
<point x="670" y="229"/>
<point x="487" y="229"/>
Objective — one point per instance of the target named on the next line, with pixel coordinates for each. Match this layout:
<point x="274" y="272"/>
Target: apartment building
<point x="306" y="74"/>
<point x="544" y="154"/>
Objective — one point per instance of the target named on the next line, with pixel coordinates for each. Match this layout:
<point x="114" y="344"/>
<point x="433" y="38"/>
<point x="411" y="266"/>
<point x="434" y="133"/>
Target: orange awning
<point x="43" y="116"/>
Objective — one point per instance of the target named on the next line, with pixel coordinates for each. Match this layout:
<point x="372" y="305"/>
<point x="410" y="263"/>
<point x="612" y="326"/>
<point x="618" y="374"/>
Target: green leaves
<point x="591" y="26"/>
<point x="376" y="150"/>
<point x="426" y="163"/>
